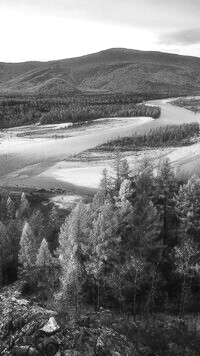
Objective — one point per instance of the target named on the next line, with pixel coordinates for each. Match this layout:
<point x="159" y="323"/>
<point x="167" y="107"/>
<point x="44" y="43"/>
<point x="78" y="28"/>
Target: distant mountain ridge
<point x="112" y="70"/>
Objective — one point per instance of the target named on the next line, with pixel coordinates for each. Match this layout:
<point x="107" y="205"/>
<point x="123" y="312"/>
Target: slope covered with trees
<point x="133" y="249"/>
<point x="105" y="72"/>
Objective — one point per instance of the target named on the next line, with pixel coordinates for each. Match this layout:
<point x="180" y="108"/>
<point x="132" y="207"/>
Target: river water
<point x="21" y="160"/>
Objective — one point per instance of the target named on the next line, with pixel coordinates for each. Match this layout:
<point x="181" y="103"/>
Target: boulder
<point x="51" y="327"/>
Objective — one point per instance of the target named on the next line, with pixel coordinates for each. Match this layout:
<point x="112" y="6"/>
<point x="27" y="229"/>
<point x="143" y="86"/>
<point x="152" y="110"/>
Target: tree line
<point x="16" y="111"/>
<point x="93" y="112"/>
<point x="171" y="135"/>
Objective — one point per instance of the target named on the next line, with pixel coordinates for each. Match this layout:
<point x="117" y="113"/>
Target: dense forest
<point x="92" y="112"/>
<point x="173" y="135"/>
<point x="135" y="247"/>
<point x="16" y="111"/>
<point x="134" y="250"/>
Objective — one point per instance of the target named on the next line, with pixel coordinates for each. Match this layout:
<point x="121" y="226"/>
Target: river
<point x="22" y="160"/>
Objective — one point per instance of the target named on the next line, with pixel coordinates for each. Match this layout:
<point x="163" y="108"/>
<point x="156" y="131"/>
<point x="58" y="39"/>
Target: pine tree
<point x="10" y="208"/>
<point x="143" y="226"/>
<point x="73" y="239"/>
<point x="188" y="209"/>
<point x="121" y="169"/>
<point x="105" y="185"/>
<point x="144" y="179"/>
<point x="104" y="245"/>
<point x="43" y="257"/>
<point x="24" y="208"/>
<point x="140" y="241"/>
<point x="27" y="253"/>
<point x="166" y="187"/>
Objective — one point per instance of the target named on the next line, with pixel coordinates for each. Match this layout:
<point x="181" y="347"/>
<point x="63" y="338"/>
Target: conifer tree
<point x="188" y="209"/>
<point x="72" y="251"/>
<point x="27" y="253"/>
<point x="166" y="187"/>
<point x="43" y="257"/>
<point x="24" y="207"/>
<point x="104" y="244"/>
<point x="143" y="226"/>
<point x="144" y="179"/>
<point x="105" y="185"/>
<point x="121" y="169"/>
<point x="10" y="208"/>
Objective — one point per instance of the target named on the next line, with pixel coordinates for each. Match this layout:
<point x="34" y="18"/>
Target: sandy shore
<point x="43" y="162"/>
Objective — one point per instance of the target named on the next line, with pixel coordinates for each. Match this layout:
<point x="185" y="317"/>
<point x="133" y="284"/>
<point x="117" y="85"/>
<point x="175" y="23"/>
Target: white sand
<point x="19" y="153"/>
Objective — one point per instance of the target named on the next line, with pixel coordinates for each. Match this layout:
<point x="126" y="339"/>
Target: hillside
<point x="113" y="70"/>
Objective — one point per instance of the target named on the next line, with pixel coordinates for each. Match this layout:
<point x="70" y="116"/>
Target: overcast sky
<point x="55" y="29"/>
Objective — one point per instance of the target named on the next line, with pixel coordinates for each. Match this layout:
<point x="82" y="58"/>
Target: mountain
<point x="112" y="70"/>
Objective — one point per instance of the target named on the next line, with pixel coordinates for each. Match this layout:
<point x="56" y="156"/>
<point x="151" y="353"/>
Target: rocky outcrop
<point x="26" y="329"/>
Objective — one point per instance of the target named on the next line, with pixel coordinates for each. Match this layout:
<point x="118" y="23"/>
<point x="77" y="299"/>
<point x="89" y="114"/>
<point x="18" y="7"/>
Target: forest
<point x="18" y="111"/>
<point x="173" y="135"/>
<point x="133" y="249"/>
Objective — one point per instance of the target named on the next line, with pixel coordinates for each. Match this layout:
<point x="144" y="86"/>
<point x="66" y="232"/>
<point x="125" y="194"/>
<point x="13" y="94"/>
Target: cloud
<point x="185" y="37"/>
<point x="151" y="14"/>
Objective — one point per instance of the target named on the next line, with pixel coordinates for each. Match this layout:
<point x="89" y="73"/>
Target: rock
<point x="50" y="327"/>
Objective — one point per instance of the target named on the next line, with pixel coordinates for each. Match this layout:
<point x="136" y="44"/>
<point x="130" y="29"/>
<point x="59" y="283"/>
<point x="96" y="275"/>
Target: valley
<point x="47" y="157"/>
<point x="100" y="206"/>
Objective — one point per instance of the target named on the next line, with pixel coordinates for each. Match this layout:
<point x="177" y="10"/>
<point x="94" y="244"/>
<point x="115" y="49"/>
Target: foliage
<point x="26" y="253"/>
<point x="16" y="111"/>
<point x="172" y="135"/>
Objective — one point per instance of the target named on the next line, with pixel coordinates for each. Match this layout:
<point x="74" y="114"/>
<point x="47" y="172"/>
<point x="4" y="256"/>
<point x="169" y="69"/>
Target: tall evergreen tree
<point x="72" y="241"/>
<point x="121" y="169"/>
<point x="105" y="185"/>
<point x="166" y="187"/>
<point x="188" y="209"/>
<point x="27" y="252"/>
<point x="43" y="257"/>
<point x="10" y="208"/>
<point x="104" y="244"/>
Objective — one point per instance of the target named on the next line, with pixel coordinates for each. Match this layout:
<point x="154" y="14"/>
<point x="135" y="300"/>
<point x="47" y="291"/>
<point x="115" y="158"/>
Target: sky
<point x="55" y="29"/>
